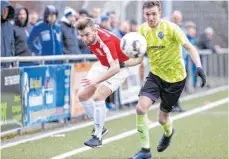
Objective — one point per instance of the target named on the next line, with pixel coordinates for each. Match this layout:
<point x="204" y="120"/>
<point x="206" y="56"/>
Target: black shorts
<point x="155" y="87"/>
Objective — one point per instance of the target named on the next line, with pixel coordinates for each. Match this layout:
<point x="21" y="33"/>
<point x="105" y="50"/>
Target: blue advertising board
<point x="45" y="93"/>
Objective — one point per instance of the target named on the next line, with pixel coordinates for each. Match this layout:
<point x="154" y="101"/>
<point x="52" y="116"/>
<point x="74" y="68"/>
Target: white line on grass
<point x="118" y="116"/>
<point x="153" y="125"/>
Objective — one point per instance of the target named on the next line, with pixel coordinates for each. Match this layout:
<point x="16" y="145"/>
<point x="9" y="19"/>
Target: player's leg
<point x="169" y="96"/>
<point x="84" y="96"/>
<point x="142" y="124"/>
<point x="148" y="95"/>
<point x="100" y="108"/>
<point x="102" y="92"/>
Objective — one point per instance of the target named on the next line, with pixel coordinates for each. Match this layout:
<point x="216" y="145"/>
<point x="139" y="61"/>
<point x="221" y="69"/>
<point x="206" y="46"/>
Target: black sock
<point x="146" y="150"/>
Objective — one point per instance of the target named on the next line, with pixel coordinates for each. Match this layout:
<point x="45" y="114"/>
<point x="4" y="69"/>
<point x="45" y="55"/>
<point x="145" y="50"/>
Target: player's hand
<point x="200" y="72"/>
<point x="87" y="83"/>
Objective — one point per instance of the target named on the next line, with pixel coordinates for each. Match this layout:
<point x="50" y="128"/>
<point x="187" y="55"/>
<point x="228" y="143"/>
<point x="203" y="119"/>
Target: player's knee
<point x="161" y="121"/>
<point x="99" y="98"/>
<point x="102" y="93"/>
<point x="82" y="96"/>
<point x="163" y="118"/>
<point x="141" y="108"/>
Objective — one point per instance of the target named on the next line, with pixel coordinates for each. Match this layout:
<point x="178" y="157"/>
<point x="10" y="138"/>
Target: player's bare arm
<point x="196" y="59"/>
<point x="113" y="69"/>
<point x="193" y="53"/>
<point x="133" y="61"/>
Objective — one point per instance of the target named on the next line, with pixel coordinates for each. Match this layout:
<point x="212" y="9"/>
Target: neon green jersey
<point x="164" y="46"/>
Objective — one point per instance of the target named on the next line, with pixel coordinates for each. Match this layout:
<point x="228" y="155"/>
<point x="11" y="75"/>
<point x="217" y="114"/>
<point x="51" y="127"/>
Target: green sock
<point x="143" y="130"/>
<point x="168" y="127"/>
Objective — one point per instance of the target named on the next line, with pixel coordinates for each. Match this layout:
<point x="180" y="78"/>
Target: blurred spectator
<point x="123" y="29"/>
<point x="7" y="34"/>
<point x="105" y="23"/>
<point x="191" y="35"/>
<point x="83" y="13"/>
<point x="205" y="40"/>
<point x="69" y="33"/>
<point x="113" y="18"/>
<point x="133" y="26"/>
<point x="96" y="14"/>
<point x="48" y="33"/>
<point x="177" y="19"/>
<point x="33" y="18"/>
<point x="21" y="32"/>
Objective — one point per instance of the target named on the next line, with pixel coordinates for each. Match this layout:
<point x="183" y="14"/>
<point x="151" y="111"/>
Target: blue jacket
<point x="7" y="34"/>
<point x="45" y="39"/>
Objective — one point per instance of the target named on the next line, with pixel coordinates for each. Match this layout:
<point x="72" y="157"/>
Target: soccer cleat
<point x="142" y="154"/>
<point x="104" y="132"/>
<point x="93" y="142"/>
<point x="164" y="142"/>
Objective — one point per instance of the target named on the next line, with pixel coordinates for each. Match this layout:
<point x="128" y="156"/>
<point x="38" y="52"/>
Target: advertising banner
<point x="45" y="93"/>
<point x="11" y="108"/>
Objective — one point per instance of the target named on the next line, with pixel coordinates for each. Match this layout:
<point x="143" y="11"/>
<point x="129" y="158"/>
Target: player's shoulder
<point x="143" y="26"/>
<point x="168" y="24"/>
<point x="143" y="29"/>
<point x="105" y="35"/>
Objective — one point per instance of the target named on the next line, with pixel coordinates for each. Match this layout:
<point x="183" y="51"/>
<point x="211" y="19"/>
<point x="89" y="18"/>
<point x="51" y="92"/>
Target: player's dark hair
<point x="152" y="3"/>
<point x="83" y="23"/>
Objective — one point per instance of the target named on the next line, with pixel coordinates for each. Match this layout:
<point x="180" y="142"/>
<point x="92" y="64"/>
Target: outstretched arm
<point x="196" y="59"/>
<point x="132" y="62"/>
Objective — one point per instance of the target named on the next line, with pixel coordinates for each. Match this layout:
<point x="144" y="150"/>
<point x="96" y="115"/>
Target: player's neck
<point x="156" y="25"/>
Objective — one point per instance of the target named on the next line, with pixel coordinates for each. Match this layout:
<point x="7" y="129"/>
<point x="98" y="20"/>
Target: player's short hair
<point x="83" y="23"/>
<point x="151" y="3"/>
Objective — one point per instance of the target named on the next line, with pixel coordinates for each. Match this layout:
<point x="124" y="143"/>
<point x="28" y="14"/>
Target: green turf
<point x="51" y="146"/>
<point x="197" y="137"/>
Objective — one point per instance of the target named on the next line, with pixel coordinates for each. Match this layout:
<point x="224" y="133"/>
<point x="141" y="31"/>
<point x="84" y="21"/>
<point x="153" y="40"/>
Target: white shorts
<point x="114" y="82"/>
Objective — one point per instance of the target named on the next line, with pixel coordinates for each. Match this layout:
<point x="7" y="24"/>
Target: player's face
<point x="152" y="16"/>
<point x="88" y="35"/>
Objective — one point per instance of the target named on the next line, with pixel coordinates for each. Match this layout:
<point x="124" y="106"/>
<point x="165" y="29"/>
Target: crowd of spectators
<point x="25" y="33"/>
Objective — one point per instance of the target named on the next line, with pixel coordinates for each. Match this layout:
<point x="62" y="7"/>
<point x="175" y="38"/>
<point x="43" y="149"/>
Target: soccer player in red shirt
<point x="104" y="77"/>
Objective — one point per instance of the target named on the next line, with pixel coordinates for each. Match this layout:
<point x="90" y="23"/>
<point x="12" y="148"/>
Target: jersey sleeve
<point x="179" y="35"/>
<point x="110" y="50"/>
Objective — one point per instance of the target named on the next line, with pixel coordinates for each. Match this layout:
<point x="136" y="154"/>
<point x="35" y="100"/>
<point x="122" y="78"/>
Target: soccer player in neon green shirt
<point x="167" y="74"/>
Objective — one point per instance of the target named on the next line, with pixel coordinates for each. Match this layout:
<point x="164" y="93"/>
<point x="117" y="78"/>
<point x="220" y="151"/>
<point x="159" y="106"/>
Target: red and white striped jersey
<point x="107" y="48"/>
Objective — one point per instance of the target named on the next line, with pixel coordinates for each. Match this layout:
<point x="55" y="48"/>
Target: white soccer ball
<point x="133" y="45"/>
